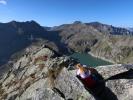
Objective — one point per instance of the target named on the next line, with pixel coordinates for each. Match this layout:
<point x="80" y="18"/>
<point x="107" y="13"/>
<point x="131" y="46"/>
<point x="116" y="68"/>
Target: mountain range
<point x="35" y="65"/>
<point x="101" y="40"/>
<point x="107" y="41"/>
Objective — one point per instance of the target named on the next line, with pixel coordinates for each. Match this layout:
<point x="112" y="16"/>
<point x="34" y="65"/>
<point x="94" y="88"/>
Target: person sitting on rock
<point x="87" y="76"/>
<point x="94" y="83"/>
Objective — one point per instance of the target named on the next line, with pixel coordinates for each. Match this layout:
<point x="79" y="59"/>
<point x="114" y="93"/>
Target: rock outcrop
<point x="121" y="87"/>
<point x="40" y="75"/>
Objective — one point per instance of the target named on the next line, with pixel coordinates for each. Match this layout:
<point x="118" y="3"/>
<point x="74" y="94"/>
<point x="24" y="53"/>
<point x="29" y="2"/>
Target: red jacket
<point x="88" y="82"/>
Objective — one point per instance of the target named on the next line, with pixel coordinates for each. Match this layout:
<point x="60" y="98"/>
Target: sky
<point x="57" y="12"/>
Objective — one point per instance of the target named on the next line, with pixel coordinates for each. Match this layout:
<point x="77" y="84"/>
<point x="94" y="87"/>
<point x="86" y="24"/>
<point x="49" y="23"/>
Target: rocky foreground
<point x="40" y="75"/>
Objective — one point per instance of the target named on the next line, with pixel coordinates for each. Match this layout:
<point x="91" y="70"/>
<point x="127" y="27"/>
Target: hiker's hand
<point x="78" y="76"/>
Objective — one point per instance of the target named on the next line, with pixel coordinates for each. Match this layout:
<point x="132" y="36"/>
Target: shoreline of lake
<point x="101" y="58"/>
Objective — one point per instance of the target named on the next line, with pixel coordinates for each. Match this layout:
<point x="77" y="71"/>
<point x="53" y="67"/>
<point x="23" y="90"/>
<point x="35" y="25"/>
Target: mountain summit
<point x="15" y="36"/>
<point x="39" y="74"/>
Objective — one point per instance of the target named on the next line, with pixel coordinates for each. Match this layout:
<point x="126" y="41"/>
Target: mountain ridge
<point x="78" y="36"/>
<point x="100" y="39"/>
<point x="17" y="35"/>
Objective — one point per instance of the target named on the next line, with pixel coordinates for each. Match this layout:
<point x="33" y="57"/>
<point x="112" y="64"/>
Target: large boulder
<point x="121" y="87"/>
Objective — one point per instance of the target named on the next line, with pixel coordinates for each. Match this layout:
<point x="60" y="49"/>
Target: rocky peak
<point x="77" y="22"/>
<point x="25" y="26"/>
<point x="17" y="22"/>
<point x="15" y="36"/>
<point x="39" y="74"/>
<point x="96" y="24"/>
<point x="110" y="29"/>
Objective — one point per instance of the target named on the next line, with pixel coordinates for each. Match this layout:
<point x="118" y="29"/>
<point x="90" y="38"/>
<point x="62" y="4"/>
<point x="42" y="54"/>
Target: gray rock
<point x="70" y="86"/>
<point x="121" y="87"/>
<point x="52" y="80"/>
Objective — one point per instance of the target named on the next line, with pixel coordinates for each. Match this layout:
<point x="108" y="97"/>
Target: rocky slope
<point x="39" y="74"/>
<point x="15" y="36"/>
<point x="101" y="40"/>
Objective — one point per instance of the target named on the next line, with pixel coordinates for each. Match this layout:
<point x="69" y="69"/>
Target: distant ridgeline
<point x="110" y="29"/>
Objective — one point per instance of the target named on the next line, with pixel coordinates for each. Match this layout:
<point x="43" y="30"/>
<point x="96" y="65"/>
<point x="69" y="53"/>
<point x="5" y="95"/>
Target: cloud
<point x="3" y="2"/>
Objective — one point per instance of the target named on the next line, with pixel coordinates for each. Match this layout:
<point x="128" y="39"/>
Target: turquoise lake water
<point x="89" y="60"/>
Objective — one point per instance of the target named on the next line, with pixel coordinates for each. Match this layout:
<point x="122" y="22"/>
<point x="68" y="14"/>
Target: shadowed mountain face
<point x="15" y="36"/>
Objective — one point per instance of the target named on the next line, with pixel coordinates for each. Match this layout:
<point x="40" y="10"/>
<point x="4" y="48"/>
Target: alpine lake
<point x="87" y="59"/>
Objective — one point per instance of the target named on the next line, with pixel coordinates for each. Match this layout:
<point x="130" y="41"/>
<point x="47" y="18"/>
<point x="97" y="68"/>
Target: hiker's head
<point x="82" y="69"/>
<point x="78" y="66"/>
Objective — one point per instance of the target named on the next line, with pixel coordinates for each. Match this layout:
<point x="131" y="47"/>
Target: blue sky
<point x="57" y="12"/>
